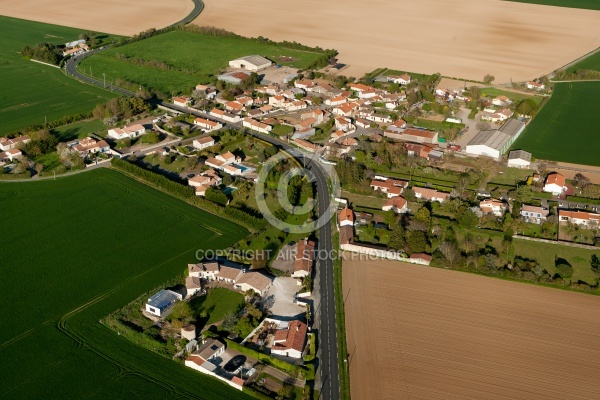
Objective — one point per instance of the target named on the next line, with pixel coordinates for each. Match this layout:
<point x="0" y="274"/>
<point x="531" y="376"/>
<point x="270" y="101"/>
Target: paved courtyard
<point x="283" y="291"/>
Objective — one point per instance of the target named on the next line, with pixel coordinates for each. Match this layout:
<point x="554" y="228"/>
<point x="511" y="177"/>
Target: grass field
<point x="515" y="97"/>
<point x="445" y="334"/>
<point x="80" y="130"/>
<point x="78" y="249"/>
<point x="592" y="62"/>
<point x="194" y="57"/>
<point x="585" y="4"/>
<point x="566" y="129"/>
<point x="31" y="91"/>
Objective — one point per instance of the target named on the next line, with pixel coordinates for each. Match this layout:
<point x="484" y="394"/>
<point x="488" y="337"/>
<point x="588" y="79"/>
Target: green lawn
<point x="80" y="130"/>
<point x="75" y="250"/>
<point x="566" y="129"/>
<point x="515" y="97"/>
<point x="193" y="57"/>
<point x="32" y="92"/>
<point x="586" y="4"/>
<point x="510" y="176"/>
<point x="592" y="62"/>
<point x="217" y="303"/>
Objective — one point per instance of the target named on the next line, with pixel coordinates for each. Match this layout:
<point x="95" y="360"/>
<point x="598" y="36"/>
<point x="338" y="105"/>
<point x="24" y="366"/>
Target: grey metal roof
<point x="512" y="127"/>
<point x="255" y="60"/>
<point x="491" y="138"/>
<point x="519" y="154"/>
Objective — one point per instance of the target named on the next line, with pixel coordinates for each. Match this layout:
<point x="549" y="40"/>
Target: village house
<point x="161" y="303"/>
<point x="420" y="258"/>
<point x="203" y="142"/>
<point x="306" y="145"/>
<point x="290" y="341"/>
<point x="276" y="101"/>
<point x="207" y="359"/>
<point x="224" y="115"/>
<point x="78" y="48"/>
<point x="430" y="194"/>
<point x="497" y="116"/>
<point x="493" y="206"/>
<point x="88" y="146"/>
<point x="206" y="270"/>
<point x="346" y="217"/>
<point x="235" y="77"/>
<point x="534" y="214"/>
<point x="257" y="126"/>
<point x="245" y="101"/>
<point x="255" y="281"/>
<point x="336" y="150"/>
<point x="397" y="204"/>
<point x="202" y="182"/>
<point x="344" y="110"/>
<point x="555" y="184"/>
<point x="12" y="143"/>
<point x="392" y="187"/>
<point x="343" y="123"/>
<point x="501" y="101"/>
<point x="11" y="155"/>
<point x="403" y="79"/>
<point x="304" y="255"/>
<point x="582" y="218"/>
<point x="303" y="84"/>
<point x="234" y="106"/>
<point x="206" y="124"/>
<point x="252" y="63"/>
<point x="379" y="118"/>
<point x="228" y="274"/>
<point x="193" y="285"/>
<point x="209" y="92"/>
<point x="182" y="101"/>
<point x="535" y="85"/>
<point x="128" y="132"/>
<point x="519" y="159"/>
<point x="335" y="101"/>
<point x="362" y="123"/>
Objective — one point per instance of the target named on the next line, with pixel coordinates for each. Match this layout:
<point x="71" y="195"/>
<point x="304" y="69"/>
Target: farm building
<point x="251" y="63"/>
<point x="495" y="142"/>
<point x="290" y="341"/>
<point x="234" y="77"/>
<point x="519" y="159"/>
<point x="160" y="304"/>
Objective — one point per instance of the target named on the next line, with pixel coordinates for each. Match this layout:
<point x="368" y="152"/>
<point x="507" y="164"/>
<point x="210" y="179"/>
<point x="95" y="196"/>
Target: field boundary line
<point x="45" y="63"/>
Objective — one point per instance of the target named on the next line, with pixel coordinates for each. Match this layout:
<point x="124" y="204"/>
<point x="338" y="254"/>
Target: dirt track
<point x="110" y="16"/>
<point x="416" y="332"/>
<point x="459" y="38"/>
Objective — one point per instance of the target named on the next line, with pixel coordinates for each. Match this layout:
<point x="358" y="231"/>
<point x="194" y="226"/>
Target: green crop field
<point x="193" y="58"/>
<point x="592" y="62"/>
<point x="586" y="4"/>
<point x="80" y="130"/>
<point x="566" y="129"/>
<point x="74" y="250"/>
<point x="31" y="91"/>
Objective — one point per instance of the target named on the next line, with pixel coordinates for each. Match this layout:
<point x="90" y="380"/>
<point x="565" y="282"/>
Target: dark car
<point x="236" y="362"/>
<point x="190" y="175"/>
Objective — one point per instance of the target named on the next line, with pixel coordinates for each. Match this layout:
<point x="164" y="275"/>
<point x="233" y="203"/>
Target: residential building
<point x="493" y="206"/>
<point x="182" y="101"/>
<point x="11" y="155"/>
<point x="228" y="274"/>
<point x="535" y="85"/>
<point x="206" y="124"/>
<point x="203" y="142"/>
<point x="234" y="106"/>
<point x="582" y="218"/>
<point x="403" y="79"/>
<point x="555" y="184"/>
<point x="304" y="256"/>
<point x="335" y="101"/>
<point x="128" y="132"/>
<point x="193" y="285"/>
<point x="430" y="194"/>
<point x="255" y="281"/>
<point x="161" y="303"/>
<point x="306" y="145"/>
<point x="206" y="270"/>
<point x="420" y="258"/>
<point x="379" y="118"/>
<point x="257" y="126"/>
<point x="251" y="63"/>
<point x="88" y="146"/>
<point x="224" y="115"/>
<point x="519" y="159"/>
<point x="495" y="142"/>
<point x="397" y="204"/>
<point x="392" y="187"/>
<point x="501" y="101"/>
<point x="12" y="143"/>
<point x="207" y="360"/>
<point x="534" y="214"/>
<point x="346" y="217"/>
<point x="289" y="342"/>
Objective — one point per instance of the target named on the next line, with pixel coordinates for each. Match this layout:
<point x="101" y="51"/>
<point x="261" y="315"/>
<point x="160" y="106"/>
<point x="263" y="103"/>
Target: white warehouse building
<point x="251" y="63"/>
<point x="495" y="142"/>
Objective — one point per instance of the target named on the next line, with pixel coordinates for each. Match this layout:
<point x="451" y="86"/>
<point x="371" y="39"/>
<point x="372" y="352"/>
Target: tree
<point x="182" y="311"/>
<point x="390" y="218"/>
<point x="416" y="241"/>
<point x="591" y="191"/>
<point x="483" y="126"/>
<point x="397" y="240"/>
<point x="595" y="263"/>
<point x="581" y="180"/>
<point x="316" y="100"/>
<point x="450" y="252"/>
<point x="467" y="218"/>
<point x="229" y="321"/>
<point x="424" y="215"/>
<point x="487" y="79"/>
<point x="475" y="92"/>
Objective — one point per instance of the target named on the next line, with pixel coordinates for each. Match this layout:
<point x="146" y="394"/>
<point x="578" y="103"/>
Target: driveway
<point x="283" y="291"/>
<point x="471" y="123"/>
<point x="285" y="259"/>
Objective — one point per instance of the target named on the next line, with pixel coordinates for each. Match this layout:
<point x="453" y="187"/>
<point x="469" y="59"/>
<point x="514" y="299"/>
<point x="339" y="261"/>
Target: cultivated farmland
<point x="566" y="129"/>
<point x="31" y="91"/>
<point x="592" y="62"/>
<point x="586" y="4"/>
<point x="416" y="332"/>
<point x="192" y="58"/>
<point x="79" y="248"/>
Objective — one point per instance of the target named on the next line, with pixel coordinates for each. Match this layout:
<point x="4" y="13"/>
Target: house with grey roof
<point x="162" y="302"/>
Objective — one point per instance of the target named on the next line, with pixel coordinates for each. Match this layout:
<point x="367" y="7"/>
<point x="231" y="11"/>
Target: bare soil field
<point x="111" y="16"/>
<point x="458" y="38"/>
<point x="417" y="332"/>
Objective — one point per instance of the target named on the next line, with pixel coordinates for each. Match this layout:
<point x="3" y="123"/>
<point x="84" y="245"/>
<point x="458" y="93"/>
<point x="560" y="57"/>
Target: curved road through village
<point x="328" y="343"/>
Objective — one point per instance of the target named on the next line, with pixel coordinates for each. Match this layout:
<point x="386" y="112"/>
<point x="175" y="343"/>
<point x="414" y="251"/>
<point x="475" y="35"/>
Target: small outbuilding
<point x="519" y="159"/>
<point x="161" y="303"/>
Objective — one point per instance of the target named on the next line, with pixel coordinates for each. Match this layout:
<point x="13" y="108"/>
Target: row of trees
<point x="46" y="52"/>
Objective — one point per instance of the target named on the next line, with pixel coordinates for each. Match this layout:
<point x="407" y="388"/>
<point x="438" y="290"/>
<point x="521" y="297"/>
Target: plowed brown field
<point x="416" y="332"/>
<point x="460" y="38"/>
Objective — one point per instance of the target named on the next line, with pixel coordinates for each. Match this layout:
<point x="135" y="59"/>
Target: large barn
<point x="251" y="63"/>
<point x="495" y="142"/>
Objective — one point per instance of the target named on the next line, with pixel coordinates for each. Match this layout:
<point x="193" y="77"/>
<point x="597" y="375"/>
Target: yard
<point x="105" y="239"/>
<point x="80" y="130"/>
<point x="566" y="129"/>
<point x="33" y="92"/>
<point x="186" y="58"/>
<point x="217" y="303"/>
<point x="515" y="97"/>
